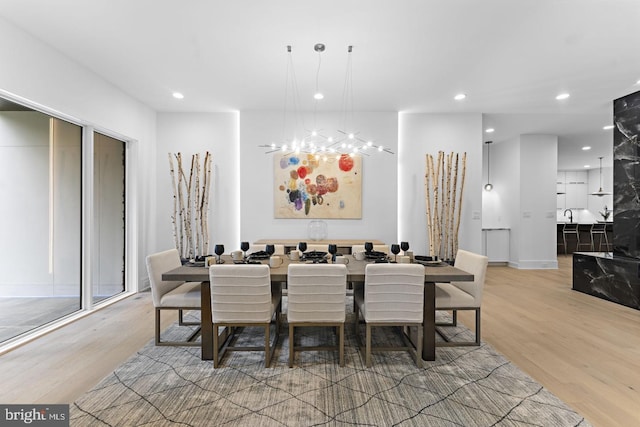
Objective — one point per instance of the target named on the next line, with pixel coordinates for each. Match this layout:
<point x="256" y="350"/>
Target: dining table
<point x="433" y="273"/>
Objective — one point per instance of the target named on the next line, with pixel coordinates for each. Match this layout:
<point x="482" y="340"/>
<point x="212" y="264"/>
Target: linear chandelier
<point x="344" y="139"/>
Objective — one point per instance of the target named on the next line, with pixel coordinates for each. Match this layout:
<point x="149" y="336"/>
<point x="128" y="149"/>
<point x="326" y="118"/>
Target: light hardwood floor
<point x="584" y="350"/>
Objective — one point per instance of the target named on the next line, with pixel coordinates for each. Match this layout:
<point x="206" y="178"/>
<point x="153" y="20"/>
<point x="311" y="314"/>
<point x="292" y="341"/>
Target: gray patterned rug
<point x="465" y="386"/>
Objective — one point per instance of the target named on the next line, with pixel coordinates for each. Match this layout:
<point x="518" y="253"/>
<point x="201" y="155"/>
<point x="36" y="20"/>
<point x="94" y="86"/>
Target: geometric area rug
<point x="464" y="386"/>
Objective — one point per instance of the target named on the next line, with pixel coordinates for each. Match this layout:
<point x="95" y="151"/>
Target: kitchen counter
<point x="604" y="276"/>
<point x="584" y="230"/>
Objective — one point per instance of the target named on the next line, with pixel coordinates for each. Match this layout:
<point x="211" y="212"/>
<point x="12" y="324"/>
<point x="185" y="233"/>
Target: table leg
<point x="429" y="322"/>
<point x="207" y="321"/>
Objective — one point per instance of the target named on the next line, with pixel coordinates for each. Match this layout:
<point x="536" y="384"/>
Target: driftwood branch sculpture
<point x="191" y="205"/>
<point x="443" y="210"/>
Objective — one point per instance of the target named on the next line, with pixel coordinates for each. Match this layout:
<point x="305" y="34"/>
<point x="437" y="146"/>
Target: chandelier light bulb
<point x="488" y="187"/>
<point x="351" y="136"/>
<point x="318" y="96"/>
<point x="330" y="139"/>
<point x="369" y="143"/>
<point x="380" y="148"/>
<point x="273" y="145"/>
<point x="344" y="145"/>
<point x="284" y="147"/>
<point x="314" y="133"/>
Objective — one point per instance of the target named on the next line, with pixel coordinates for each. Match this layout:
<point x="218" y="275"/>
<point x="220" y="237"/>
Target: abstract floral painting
<point x="310" y="186"/>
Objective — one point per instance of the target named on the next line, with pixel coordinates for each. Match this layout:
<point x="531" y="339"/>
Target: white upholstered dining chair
<point x="241" y="296"/>
<point x="393" y="295"/>
<point x="170" y="295"/>
<point x="456" y="296"/>
<point x="316" y="298"/>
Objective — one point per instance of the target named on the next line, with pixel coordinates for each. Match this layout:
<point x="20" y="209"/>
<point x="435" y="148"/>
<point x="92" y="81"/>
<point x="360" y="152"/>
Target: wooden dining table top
<point x="355" y="271"/>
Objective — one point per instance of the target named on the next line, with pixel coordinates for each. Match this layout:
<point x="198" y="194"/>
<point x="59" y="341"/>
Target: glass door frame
<point x="131" y="280"/>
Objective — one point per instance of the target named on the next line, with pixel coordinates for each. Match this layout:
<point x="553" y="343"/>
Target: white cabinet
<point x="561" y="190"/>
<point x="496" y="244"/>
<point x="575" y="186"/>
<point x="576" y="196"/>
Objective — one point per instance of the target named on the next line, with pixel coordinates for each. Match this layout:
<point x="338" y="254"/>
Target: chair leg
<point x="455" y="318"/>
<point x="157" y="326"/>
<point x="368" y="347"/>
<point x="341" y="344"/>
<point x="267" y="342"/>
<point x="478" y="326"/>
<point x="291" y="345"/>
<point x="216" y="346"/>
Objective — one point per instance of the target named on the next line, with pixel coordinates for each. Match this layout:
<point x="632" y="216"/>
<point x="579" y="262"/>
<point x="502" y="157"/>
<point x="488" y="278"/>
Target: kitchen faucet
<point x="570" y="214"/>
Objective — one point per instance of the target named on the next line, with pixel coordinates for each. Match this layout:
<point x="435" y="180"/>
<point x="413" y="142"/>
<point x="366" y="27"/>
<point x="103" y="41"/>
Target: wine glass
<point x="395" y="250"/>
<point x="368" y="246"/>
<point x="333" y="249"/>
<point x="219" y="250"/>
<point x="404" y="246"/>
<point x="244" y="246"/>
<point x="270" y="249"/>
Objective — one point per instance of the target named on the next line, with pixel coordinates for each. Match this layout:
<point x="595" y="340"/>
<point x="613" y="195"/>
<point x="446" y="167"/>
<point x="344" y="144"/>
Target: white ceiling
<point x="511" y="57"/>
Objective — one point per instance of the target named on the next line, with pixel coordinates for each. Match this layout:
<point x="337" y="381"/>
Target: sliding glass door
<point x="42" y="200"/>
<point x="108" y="251"/>
<point x="40" y="219"/>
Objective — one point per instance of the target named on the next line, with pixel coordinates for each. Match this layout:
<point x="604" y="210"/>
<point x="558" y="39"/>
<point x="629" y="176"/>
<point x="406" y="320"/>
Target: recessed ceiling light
<point x="586" y="147"/>
<point x="178" y="95"/>
<point x="562" y="96"/>
<point x="489" y="130"/>
<point x="460" y="97"/>
<point x="607" y="127"/>
<point x="587" y="166"/>
<point x="318" y="95"/>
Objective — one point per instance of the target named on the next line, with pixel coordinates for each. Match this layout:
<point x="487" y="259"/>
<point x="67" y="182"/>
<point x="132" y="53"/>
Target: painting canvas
<point x="311" y="186"/>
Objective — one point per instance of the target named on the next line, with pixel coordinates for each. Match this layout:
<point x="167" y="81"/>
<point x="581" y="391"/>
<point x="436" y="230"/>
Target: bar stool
<point x="599" y="229"/>
<point x="570" y="228"/>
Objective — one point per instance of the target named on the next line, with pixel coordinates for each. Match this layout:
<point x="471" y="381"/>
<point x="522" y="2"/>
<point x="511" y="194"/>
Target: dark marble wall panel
<point x="626" y="176"/>
<point x="613" y="279"/>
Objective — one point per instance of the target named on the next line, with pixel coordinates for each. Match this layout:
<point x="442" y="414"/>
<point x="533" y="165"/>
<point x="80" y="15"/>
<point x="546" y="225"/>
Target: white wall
<point x="192" y="133"/>
<point x="523" y="199"/>
<point x="379" y="180"/>
<point x="420" y="134"/>
<point x="41" y="75"/>
<point x="533" y="229"/>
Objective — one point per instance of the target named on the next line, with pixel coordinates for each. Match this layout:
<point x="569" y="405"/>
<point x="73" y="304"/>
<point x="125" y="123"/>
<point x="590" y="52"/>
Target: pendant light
<point x="600" y="192"/>
<point x="488" y="186"/>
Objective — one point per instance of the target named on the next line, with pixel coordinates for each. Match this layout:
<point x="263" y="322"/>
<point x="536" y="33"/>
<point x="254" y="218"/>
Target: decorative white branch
<point x="191" y="205"/>
<point x="443" y="213"/>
